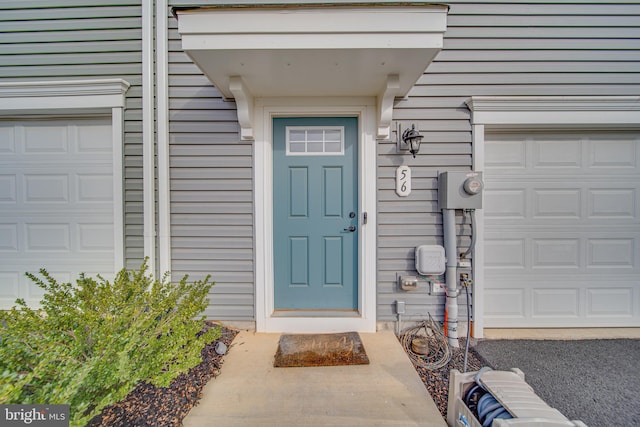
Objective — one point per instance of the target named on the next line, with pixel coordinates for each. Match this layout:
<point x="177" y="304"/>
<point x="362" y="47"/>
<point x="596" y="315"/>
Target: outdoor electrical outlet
<point x="400" y="307"/>
<point x="408" y="283"/>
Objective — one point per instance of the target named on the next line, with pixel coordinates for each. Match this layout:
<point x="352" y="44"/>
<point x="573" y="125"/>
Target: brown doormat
<point x="320" y="350"/>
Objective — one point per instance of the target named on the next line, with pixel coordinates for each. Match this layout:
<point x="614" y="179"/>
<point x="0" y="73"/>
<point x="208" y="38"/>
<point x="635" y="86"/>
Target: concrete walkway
<point x="250" y="392"/>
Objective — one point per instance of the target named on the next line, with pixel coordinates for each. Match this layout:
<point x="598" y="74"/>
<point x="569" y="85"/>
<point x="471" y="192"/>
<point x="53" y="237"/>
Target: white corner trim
<point x="385" y="105"/>
<point x="244" y="104"/>
<point x="162" y="136"/>
<point x="117" y="132"/>
<point x="266" y="109"/>
<point x="148" y="136"/>
<point x="477" y="134"/>
<point x="523" y="112"/>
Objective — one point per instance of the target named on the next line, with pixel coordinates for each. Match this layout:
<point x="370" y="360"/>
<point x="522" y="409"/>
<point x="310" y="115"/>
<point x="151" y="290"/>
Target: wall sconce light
<point x="409" y="140"/>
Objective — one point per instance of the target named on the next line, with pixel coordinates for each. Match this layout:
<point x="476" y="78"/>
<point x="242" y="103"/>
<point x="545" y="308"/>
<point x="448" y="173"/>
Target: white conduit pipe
<point x="449" y="226"/>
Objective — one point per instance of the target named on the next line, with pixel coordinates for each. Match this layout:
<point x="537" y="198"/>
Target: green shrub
<point x="89" y="344"/>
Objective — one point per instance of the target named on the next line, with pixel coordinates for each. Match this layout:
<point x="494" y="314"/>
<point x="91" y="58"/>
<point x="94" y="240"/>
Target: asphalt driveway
<point x="596" y="381"/>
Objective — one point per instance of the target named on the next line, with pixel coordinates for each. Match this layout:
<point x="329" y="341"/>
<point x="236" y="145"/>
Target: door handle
<point x="351" y="228"/>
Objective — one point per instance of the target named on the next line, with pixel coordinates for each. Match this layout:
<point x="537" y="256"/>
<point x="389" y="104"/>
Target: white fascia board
<point x="71" y="97"/>
<point x="304" y="20"/>
<point x="573" y="110"/>
<point x="106" y="93"/>
<point x="278" y="42"/>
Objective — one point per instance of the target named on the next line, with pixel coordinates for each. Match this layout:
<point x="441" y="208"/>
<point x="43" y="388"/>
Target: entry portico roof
<point x="313" y="50"/>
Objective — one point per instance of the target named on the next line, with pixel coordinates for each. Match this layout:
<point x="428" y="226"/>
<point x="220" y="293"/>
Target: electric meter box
<point x="430" y="260"/>
<point x="460" y="190"/>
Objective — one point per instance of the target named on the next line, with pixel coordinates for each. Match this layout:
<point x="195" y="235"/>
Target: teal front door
<point x="315" y="213"/>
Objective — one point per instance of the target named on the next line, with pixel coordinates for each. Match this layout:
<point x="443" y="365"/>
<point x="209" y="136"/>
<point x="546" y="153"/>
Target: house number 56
<point x="403" y="181"/>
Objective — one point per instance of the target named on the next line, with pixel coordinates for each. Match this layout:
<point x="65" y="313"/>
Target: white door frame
<point x="265" y="110"/>
<point x="525" y="112"/>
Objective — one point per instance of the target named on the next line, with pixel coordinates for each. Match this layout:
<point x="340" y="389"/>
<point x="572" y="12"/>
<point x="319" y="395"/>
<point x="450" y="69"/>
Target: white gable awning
<point x="283" y="50"/>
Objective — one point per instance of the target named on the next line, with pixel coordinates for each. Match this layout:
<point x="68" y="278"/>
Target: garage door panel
<point x="505" y="253"/>
<point x="562" y="229"/>
<point x="613" y="302"/>
<point x="95" y="237"/>
<point x="612" y="252"/>
<point x="10" y="288"/>
<point x="501" y="202"/>
<point x="554" y="303"/>
<point x="94" y="138"/>
<point x="8" y="237"/>
<point x="56" y="203"/>
<point x="8" y="189"/>
<point x="506" y="153"/>
<point x="611" y="152"/>
<point x="43" y="138"/>
<point x="602" y="152"/>
<point x="556" y="252"/>
<point x="70" y="235"/>
<point x="47" y="237"/>
<point x="17" y="285"/>
<point x="613" y="203"/>
<point x="557" y="203"/>
<point x="7" y="138"/>
<point x="94" y="187"/>
<point x="46" y="188"/>
<point x="27" y="189"/>
<point x="594" y="203"/>
<point x="504" y="303"/>
<point x="601" y="250"/>
<point x="556" y="153"/>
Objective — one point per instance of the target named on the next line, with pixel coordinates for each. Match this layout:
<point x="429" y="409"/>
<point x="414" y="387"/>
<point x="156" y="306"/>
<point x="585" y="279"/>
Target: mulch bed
<point x="437" y="380"/>
<point x="148" y="405"/>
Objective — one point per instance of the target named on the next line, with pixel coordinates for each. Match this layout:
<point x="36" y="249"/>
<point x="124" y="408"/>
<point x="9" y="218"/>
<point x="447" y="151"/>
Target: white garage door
<point x="562" y="229"/>
<point x="56" y="202"/>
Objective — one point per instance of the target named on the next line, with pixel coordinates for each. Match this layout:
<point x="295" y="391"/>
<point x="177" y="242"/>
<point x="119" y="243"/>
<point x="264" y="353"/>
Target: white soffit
<point x="346" y="49"/>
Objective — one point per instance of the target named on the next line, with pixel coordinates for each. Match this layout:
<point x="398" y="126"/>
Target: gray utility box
<point x="509" y="390"/>
<point x="460" y="190"/>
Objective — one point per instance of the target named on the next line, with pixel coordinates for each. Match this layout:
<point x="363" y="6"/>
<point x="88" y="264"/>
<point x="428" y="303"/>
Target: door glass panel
<point x="315" y="140"/>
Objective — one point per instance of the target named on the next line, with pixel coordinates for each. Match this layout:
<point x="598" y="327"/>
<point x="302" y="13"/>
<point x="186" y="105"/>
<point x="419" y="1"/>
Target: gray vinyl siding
<point x="81" y="40"/>
<point x="494" y="48"/>
<point x="211" y="189"/>
<point x="490" y="48"/>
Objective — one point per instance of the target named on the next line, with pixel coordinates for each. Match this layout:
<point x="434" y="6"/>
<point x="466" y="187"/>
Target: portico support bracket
<point x="244" y="104"/>
<point x="385" y="105"/>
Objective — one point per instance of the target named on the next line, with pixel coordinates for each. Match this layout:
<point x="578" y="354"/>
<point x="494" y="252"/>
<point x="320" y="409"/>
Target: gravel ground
<point x="595" y="381"/>
<point x="148" y="405"/>
<point x="437" y="380"/>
